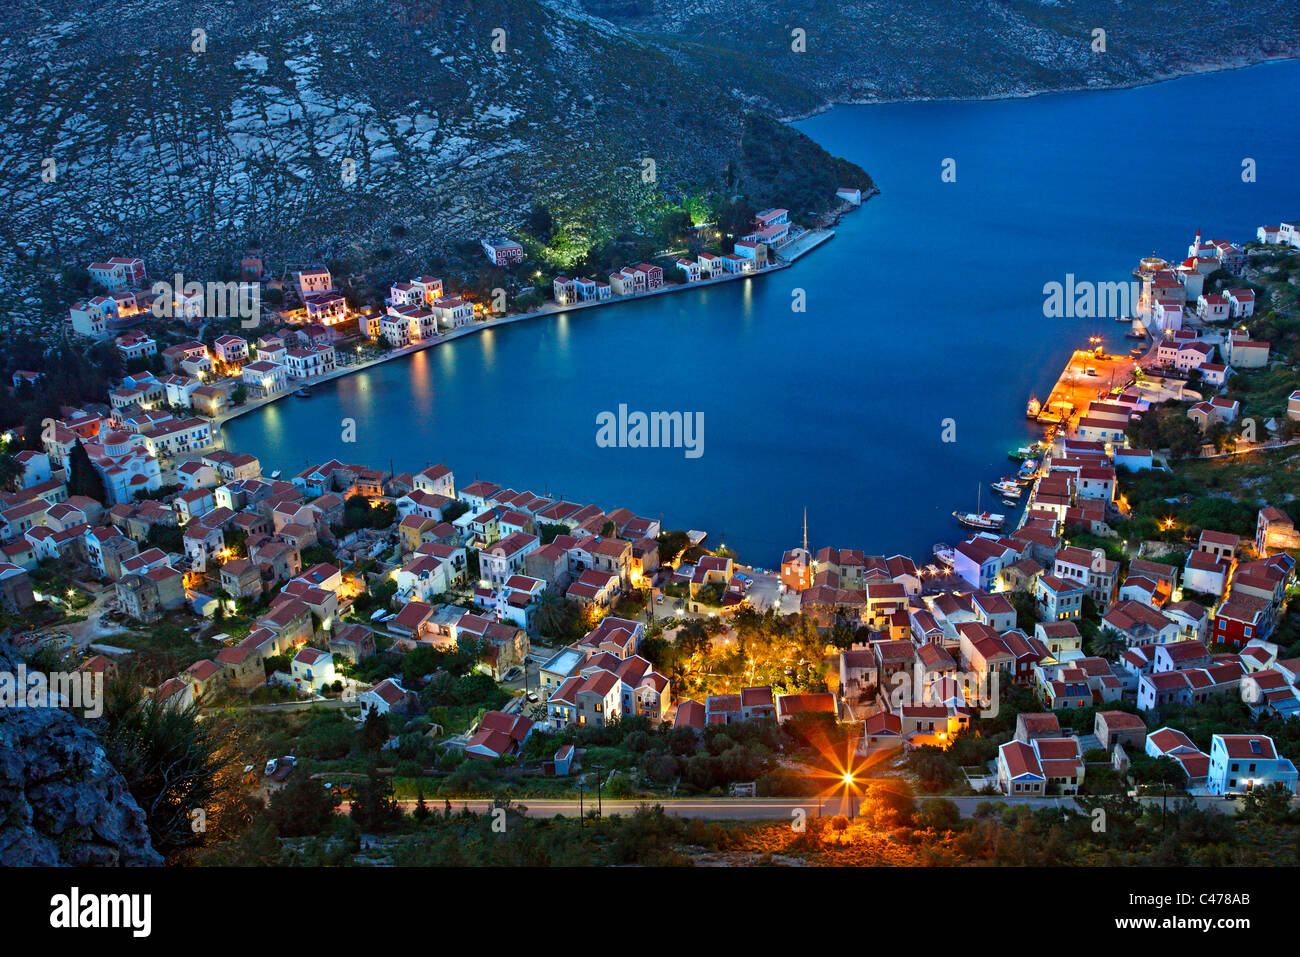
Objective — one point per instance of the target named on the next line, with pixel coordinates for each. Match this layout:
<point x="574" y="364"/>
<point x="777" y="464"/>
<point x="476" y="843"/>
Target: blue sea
<point x="926" y="307"/>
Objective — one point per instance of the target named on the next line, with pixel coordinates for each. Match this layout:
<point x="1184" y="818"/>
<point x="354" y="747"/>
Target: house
<point x="501" y="561"/>
<point x="204" y="676"/>
<point x="1240" y="619"/>
<point x="231" y="350"/>
<point x="1173" y="744"/>
<point x="310" y="361"/>
<point x="499" y="735"/>
<point x="1058" y="599"/>
<point x="789" y="705"/>
<point x="1206" y="573"/>
<point x="312" y="669"/>
<point x="1040" y="765"/>
<point x="502" y="252"/>
<point x="1031" y="725"/>
<point x="1241" y="303"/>
<point x="1247" y="354"/>
<point x="1240" y="763"/>
<point x="1137" y="623"/>
<point x="174" y="695"/>
<point x="353" y="643"/>
<point x="1059" y="637"/>
<point x="1274" y="529"/>
<point x="1119" y="728"/>
<point x="387" y="697"/>
<point x="136" y="345"/>
<point x="265" y="378"/>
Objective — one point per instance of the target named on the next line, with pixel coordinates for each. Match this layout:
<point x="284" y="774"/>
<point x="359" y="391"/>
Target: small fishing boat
<point x="1136" y="351"/>
<point x="1022" y="453"/>
<point x="303" y="394"/>
<point x="1134" y="335"/>
<point x="944" y="554"/>
<point x="1028" y="470"/>
<point x="1123" y="318"/>
<point x="1034" y="407"/>
<point x="275" y="474"/>
<point x="1007" y="488"/>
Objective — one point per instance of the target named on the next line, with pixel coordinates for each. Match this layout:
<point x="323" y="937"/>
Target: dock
<point x="1088" y="376"/>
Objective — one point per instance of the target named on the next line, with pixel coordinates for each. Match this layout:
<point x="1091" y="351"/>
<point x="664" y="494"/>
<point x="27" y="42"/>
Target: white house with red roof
<point x="387" y="697"/>
<point x="231" y="350"/>
<point x="1241" y="303"/>
<point x="1240" y="763"/>
<point x="312" y="669"/>
<point x="499" y="735"/>
<point x="1171" y="743"/>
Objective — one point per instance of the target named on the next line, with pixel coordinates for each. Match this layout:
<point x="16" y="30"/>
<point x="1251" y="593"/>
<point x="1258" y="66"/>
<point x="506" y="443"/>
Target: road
<point x="770" y="809"/>
<point x="717" y="809"/>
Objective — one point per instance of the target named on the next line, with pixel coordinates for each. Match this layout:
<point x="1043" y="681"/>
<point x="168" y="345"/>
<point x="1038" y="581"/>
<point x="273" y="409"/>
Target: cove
<point x="927" y="306"/>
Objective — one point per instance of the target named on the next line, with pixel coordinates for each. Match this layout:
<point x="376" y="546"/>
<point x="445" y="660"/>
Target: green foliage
<point x="303" y="806"/>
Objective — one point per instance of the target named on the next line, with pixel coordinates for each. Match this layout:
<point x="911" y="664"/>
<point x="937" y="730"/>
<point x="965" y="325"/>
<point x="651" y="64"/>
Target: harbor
<point x="1089" y="375"/>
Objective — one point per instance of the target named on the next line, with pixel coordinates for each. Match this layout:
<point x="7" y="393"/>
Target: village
<point x="329" y="585"/>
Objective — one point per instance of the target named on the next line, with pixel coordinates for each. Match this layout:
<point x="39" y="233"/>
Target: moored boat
<point x="303" y="394"/>
<point x="1034" y="407"/>
<point x="984" y="521"/>
<point x="1007" y="488"/>
<point x="943" y="554"/>
<point x="1028" y="469"/>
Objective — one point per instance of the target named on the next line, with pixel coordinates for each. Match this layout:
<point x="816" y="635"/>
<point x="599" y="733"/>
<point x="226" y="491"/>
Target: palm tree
<point x="553" y="614"/>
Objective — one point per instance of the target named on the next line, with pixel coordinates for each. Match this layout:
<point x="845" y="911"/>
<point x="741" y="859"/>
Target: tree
<point x="303" y="806"/>
<point x="374" y="808"/>
<point x="422" y="811"/>
<point x="83" y="479"/>
<point x="10" y="471"/>
<point x="171" y="761"/>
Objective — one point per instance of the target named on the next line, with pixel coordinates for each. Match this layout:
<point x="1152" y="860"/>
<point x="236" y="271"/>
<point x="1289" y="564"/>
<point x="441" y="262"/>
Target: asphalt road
<point x="720" y="809"/>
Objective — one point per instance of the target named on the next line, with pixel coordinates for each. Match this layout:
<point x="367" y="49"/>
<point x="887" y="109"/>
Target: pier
<point x="1088" y="376"/>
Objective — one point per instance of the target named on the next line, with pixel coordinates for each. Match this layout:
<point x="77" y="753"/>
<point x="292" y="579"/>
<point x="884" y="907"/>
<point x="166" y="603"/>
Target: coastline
<point x="816" y="237"/>
<point x="1031" y="94"/>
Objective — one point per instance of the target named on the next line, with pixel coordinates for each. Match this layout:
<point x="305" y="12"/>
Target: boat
<point x="275" y="474"/>
<point x="1123" y="318"/>
<point x="1022" y="453"/>
<point x="984" y="521"/>
<point x="1135" y="335"/>
<point x="1031" y="412"/>
<point x="303" y="394"/>
<point x="944" y="554"/>
<point x="1136" y="351"/>
<point x="1028" y="469"/>
<point x="1007" y="488"/>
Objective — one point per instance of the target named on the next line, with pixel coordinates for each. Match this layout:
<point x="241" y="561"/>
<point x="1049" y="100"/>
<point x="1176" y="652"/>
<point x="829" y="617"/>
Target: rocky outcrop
<point x="61" y="801"/>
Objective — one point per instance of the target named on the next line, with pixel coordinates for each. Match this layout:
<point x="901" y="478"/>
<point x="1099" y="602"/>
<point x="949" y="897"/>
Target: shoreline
<point x="1155" y="80"/>
<point x="818" y="237"/>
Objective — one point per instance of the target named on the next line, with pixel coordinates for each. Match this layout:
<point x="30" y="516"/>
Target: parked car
<point x="271" y="766"/>
<point x="532" y="697"/>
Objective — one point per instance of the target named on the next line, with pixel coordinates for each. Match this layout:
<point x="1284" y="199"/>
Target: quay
<point x="1088" y="376"/>
<point x="800" y="246"/>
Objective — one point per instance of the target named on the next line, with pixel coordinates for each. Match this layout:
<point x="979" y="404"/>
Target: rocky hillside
<point x="337" y="128"/>
<point x="867" y="50"/>
<point x="61" y="802"/>
<point x="381" y="132"/>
